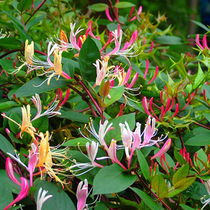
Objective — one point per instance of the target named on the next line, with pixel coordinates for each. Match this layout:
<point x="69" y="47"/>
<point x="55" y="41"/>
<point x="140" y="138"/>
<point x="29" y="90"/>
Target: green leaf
<point x="207" y="90"/>
<point x="99" y="7"/>
<point x="201" y="139"/>
<point x="24" y="5"/>
<point x="201" y="25"/>
<point x="60" y="199"/>
<point x="200" y="76"/>
<point x="201" y="159"/>
<point x="6" y="146"/>
<point x="7" y="64"/>
<point x="170" y="40"/>
<point x="112" y="179"/>
<point x="6" y="196"/>
<point x="131" y="205"/>
<point x="185" y="207"/>
<point x="124" y="4"/>
<point x="13" y="126"/>
<point x="31" y="87"/>
<point x="147" y="199"/>
<point x="184" y="183"/>
<point x="179" y="157"/>
<point x="180" y="67"/>
<point x="143" y="164"/>
<point x="68" y="68"/>
<point x="34" y="21"/>
<point x="116" y="132"/>
<point x="41" y="123"/>
<point x="76" y="142"/>
<point x="71" y="115"/>
<point x="196" y="191"/>
<point x="10" y="43"/>
<point x="207" y="116"/>
<point x="88" y="55"/>
<point x="180" y="174"/>
<point x="8" y="105"/>
<point x="6" y="181"/>
<point x="159" y="185"/>
<point x="19" y="27"/>
<point x="115" y="93"/>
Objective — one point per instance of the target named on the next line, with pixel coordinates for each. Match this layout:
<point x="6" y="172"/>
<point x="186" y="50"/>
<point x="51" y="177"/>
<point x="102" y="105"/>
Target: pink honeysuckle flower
<point x="92" y="151"/>
<point x="102" y="70"/>
<point x="112" y="153"/>
<point x="138" y="13"/>
<point x="89" y="31"/>
<point x="32" y="161"/>
<point x="81" y="194"/>
<point x="168" y="107"/>
<point x="163" y="150"/>
<point x="108" y="15"/>
<point x="24" y="183"/>
<point x="117" y="38"/>
<point x="146" y="72"/>
<point x="127" y="136"/>
<point x="10" y="171"/>
<point x="41" y="198"/>
<point x="205" y="46"/>
<point x="50" y="112"/>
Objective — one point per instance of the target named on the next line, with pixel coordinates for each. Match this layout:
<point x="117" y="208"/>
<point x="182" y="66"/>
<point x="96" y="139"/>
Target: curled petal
<point x="163" y="150"/>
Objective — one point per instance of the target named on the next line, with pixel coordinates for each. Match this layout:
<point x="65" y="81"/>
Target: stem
<point x="146" y="186"/>
<point x="23" y="21"/>
<point x="7" y="53"/>
<point x="89" y="94"/>
<point x="180" y="137"/>
<point x="35" y="11"/>
<point x="85" y="99"/>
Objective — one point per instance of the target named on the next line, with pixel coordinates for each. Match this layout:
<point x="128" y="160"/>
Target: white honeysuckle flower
<point x="41" y="198"/>
<point x="50" y="112"/>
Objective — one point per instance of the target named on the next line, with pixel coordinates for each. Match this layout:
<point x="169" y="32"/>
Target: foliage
<point x="101" y="111"/>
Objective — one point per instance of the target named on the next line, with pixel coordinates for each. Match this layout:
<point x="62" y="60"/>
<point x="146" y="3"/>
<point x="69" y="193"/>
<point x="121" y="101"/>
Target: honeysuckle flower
<point x="23" y="184"/>
<point x="127" y="136"/>
<point x="117" y="16"/>
<point x="50" y="112"/>
<point x="32" y="161"/>
<point x="117" y="38"/>
<point x="112" y="153"/>
<point x="92" y="151"/>
<point x="29" y="54"/>
<point x="163" y="150"/>
<point x="102" y="70"/>
<point x="10" y="171"/>
<point x="103" y="129"/>
<point x="146" y="72"/>
<point x="204" y="46"/>
<point x="169" y="106"/>
<point x="41" y="198"/>
<point x="81" y="194"/>
<point x="137" y="139"/>
<point x="26" y="125"/>
<point x="46" y="156"/>
<point x="203" y="199"/>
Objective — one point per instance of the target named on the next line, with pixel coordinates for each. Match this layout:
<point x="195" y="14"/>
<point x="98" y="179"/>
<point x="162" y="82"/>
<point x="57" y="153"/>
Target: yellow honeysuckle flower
<point x="26" y="125"/>
<point x="46" y="156"/>
<point x="29" y="54"/>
